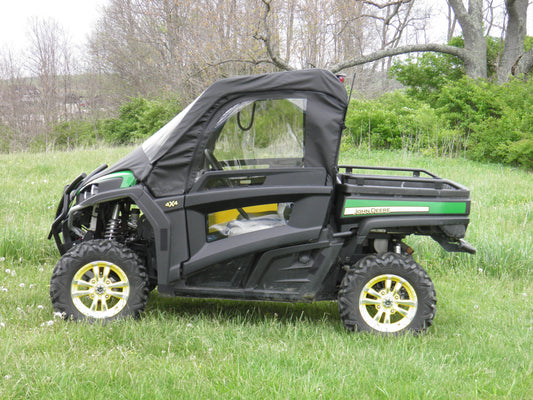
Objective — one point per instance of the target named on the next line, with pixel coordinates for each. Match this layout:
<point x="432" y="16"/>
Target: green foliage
<point x="75" y="133"/>
<point x="487" y="121"/>
<point x="138" y="119"/>
<point x="497" y="118"/>
<point x="6" y="135"/>
<point x="465" y="103"/>
<point x="264" y="129"/>
<point x="426" y="75"/>
<point x="397" y="121"/>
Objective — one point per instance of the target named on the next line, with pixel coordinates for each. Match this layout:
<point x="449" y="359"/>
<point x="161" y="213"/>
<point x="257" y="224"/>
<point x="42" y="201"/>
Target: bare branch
<point x="388" y="4"/>
<point x="267" y="40"/>
<point x="415" y="48"/>
<point x="243" y="61"/>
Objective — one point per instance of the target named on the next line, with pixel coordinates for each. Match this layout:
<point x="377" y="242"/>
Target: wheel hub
<point x="388" y="303"/>
<point x="100" y="289"/>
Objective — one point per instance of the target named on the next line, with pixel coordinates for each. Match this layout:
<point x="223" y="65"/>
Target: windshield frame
<point x="153" y="144"/>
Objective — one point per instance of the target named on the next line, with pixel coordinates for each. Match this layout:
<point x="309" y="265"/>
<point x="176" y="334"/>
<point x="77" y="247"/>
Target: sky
<point x="77" y="17"/>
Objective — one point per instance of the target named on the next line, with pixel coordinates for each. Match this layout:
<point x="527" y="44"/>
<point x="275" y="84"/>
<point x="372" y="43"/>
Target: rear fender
<point x="439" y="228"/>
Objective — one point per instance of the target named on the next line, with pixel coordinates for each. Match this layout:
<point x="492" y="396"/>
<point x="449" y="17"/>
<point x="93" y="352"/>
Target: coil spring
<point x="113" y="224"/>
<point x="111" y="229"/>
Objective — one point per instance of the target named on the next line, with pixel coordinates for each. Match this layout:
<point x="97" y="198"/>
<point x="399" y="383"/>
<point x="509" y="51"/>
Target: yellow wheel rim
<point x="388" y="303"/>
<point x="100" y="289"/>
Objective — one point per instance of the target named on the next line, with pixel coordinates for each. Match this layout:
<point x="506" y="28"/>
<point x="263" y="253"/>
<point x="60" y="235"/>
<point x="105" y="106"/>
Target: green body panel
<point x="127" y="178"/>
<point x="358" y="207"/>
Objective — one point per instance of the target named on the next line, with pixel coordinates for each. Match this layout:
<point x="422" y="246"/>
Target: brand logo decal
<point x="171" y="203"/>
<point x="384" y="210"/>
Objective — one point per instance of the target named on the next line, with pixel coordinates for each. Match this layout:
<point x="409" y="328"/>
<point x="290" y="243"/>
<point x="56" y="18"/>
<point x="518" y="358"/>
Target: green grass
<point x="478" y="347"/>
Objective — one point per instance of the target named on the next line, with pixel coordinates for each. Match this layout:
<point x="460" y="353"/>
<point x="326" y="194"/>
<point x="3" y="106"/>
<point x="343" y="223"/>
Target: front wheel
<point x="387" y="293"/>
<point x="99" y="280"/>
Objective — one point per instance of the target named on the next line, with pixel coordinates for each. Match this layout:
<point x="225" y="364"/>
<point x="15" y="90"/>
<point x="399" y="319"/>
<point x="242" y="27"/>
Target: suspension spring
<point x="113" y="224"/>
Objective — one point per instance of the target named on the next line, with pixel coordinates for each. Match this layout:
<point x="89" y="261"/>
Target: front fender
<point x="146" y="203"/>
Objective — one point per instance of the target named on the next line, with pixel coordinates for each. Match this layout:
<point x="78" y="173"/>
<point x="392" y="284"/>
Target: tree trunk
<point x="514" y="37"/>
<point x="471" y="22"/>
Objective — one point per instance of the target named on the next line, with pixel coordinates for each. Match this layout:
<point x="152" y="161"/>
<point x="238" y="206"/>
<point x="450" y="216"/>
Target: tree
<point x="50" y="62"/>
<point x="160" y="46"/>
<point x="514" y="59"/>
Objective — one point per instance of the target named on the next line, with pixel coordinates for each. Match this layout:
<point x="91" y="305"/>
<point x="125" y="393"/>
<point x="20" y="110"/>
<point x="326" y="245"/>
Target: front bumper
<point x="69" y="192"/>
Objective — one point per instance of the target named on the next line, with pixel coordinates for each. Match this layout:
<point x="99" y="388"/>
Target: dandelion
<point x="22" y="285"/>
<point x="3" y="289"/>
<point x="2" y="259"/>
<point x="8" y="271"/>
<point x="59" y="315"/>
<point x="2" y="325"/>
<point x="47" y="323"/>
<point x="32" y="286"/>
<point x="7" y="377"/>
<point x="40" y="307"/>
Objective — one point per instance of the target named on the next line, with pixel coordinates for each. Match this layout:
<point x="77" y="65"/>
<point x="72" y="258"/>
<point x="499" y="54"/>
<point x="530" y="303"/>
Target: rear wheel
<point x="387" y="293"/>
<point x="99" y="280"/>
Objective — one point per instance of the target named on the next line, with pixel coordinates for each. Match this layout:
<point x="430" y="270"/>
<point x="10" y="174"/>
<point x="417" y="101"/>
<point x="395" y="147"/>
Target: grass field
<point x="479" y="347"/>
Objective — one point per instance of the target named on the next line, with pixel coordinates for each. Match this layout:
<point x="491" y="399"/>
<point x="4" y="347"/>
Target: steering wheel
<point x="217" y="166"/>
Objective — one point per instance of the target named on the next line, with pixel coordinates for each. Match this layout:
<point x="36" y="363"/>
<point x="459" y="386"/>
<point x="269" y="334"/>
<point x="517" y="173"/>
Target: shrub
<point x="138" y="119"/>
<point x="398" y="121"/>
<point x="497" y="118"/>
<point x="6" y="136"/>
<point x="75" y="133"/>
<point x="426" y="75"/>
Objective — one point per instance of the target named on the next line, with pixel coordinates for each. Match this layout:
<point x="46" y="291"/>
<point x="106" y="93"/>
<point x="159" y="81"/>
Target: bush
<point x="6" y="135"/>
<point x="397" y="121"/>
<point x="497" y="119"/>
<point x="426" y="75"/>
<point x="490" y="122"/>
<point x="466" y="103"/>
<point x="138" y="119"/>
<point x="75" y="133"/>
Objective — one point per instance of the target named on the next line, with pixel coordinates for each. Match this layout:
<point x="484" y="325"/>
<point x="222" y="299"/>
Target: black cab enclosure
<point x="240" y="196"/>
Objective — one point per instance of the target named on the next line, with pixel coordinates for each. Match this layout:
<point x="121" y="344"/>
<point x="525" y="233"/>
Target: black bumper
<point x="62" y="213"/>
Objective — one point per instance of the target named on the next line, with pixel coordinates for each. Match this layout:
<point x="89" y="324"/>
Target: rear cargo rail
<point x="421" y="183"/>
<point x="420" y="192"/>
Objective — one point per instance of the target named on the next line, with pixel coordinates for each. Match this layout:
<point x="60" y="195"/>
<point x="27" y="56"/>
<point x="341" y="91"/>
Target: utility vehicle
<point x="240" y="197"/>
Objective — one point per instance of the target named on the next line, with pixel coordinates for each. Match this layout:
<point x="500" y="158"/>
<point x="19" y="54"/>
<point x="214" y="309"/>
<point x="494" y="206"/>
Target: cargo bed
<point x="404" y="201"/>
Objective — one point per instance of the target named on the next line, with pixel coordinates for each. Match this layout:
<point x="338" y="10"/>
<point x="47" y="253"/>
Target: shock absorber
<point x="113" y="224"/>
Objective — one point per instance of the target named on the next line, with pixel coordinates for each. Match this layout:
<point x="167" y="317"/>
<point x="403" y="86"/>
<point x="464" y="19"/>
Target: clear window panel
<point x="262" y="133"/>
